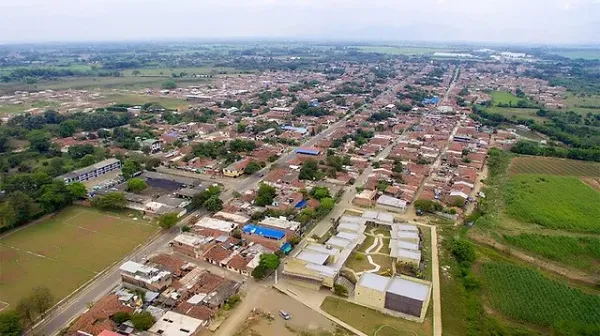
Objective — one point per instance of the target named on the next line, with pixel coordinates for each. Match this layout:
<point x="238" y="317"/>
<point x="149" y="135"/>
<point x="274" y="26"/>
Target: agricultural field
<point x="583" y="103"/>
<point x="554" y="202"/>
<point x="553" y="166"/>
<point x="526" y="295"/>
<point x="133" y="99"/>
<point x="504" y="97"/>
<point x="580" y="252"/>
<point x="166" y="72"/>
<point x="372" y="322"/>
<point x="65" y="251"/>
<point x="409" y="51"/>
<point x="514" y="113"/>
<point x="19" y="108"/>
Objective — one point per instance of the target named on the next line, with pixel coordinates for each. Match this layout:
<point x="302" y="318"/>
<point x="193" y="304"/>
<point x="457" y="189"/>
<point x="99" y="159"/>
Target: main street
<point x="61" y="315"/>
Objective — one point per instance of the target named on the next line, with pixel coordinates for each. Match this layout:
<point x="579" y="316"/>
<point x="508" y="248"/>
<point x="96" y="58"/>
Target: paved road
<point x="60" y="317"/>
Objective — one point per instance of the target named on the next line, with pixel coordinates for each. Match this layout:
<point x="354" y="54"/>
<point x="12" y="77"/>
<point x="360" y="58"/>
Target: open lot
<point x="514" y="113"/>
<point x="166" y="72"/>
<point x="133" y="99"/>
<point x="503" y="97"/>
<point x="303" y="322"/>
<point x="552" y="166"/>
<point x="65" y="251"/>
<point x="371" y="321"/>
<point x="583" y="104"/>
<point x="554" y="202"/>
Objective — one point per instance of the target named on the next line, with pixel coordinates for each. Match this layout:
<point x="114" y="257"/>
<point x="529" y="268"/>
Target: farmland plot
<point x="553" y="166"/>
<point x="554" y="202"/>
<point x="526" y="295"/>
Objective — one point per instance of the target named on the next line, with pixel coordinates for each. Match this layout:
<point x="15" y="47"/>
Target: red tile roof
<point x="97" y="319"/>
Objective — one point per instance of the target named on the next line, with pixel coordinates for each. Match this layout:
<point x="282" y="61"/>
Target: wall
<point x="369" y="297"/>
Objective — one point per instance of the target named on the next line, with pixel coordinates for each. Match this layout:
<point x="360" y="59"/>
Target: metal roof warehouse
<point x="263" y="231"/>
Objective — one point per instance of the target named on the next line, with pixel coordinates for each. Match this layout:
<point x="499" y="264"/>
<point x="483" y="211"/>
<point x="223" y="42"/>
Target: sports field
<point x="65" y="251"/>
<point x="552" y="166"/>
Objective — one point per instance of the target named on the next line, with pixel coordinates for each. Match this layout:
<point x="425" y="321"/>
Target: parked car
<point x="285" y="315"/>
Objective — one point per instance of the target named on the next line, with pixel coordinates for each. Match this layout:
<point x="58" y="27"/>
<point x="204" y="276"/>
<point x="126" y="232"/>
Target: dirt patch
<point x="592" y="182"/>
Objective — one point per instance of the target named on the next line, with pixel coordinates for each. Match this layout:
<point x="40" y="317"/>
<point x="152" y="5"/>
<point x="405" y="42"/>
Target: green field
<point x="409" y="51"/>
<point x="554" y="202"/>
<point x="44" y="104"/>
<point x="514" y="113"/>
<point x="65" y="251"/>
<point x="588" y="54"/>
<point x="503" y="97"/>
<point x="166" y="72"/>
<point x="528" y="296"/>
<point x="371" y="321"/>
<point x="583" y="104"/>
<point x="579" y="252"/>
<point x="552" y="166"/>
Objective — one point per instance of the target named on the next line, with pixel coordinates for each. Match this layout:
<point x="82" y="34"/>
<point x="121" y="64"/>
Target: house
<point x="191" y="245"/>
<point x="391" y="203"/>
<point x="91" y="172"/>
<point x="405" y="295"/>
<point x="175" y="324"/>
<point x="150" y="278"/>
<point x="97" y="319"/>
<point x="364" y="198"/>
<point x="153" y="144"/>
<point x="236" y="169"/>
<point x="259" y="234"/>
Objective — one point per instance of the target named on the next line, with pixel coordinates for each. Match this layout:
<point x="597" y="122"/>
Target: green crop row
<point x="526" y="295"/>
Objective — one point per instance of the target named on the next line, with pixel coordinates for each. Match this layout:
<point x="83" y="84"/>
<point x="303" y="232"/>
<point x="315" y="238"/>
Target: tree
<point x="305" y="216"/>
<point x="259" y="272"/>
<point x="67" y="128"/>
<point x="8" y="216"/>
<point x="340" y="290"/>
<point x="309" y="170"/>
<point x="121" y="317"/>
<point x="42" y="299"/>
<point x="130" y="167"/>
<point x="398" y="168"/>
<point x="265" y="195"/>
<point x="168" y="220"/>
<point x="10" y="323"/>
<point x="112" y="200"/>
<point x="199" y="199"/>
<point x="269" y="260"/>
<point x="325" y="206"/>
<point x="136" y="72"/>
<point x="463" y="251"/>
<point x="252" y="167"/>
<point x="55" y="196"/>
<point x="142" y="321"/>
<point x="77" y="190"/>
<point x="26" y="310"/>
<point x="428" y="205"/>
<point x="169" y="84"/>
<point x="320" y="192"/>
<point x="39" y="140"/>
<point x="136" y="185"/>
<point x="213" y="204"/>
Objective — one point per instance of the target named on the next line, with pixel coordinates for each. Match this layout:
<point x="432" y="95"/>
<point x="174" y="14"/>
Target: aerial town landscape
<point x="247" y="188"/>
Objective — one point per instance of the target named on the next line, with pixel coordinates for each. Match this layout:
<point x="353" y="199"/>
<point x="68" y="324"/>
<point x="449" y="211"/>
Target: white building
<point x="174" y="324"/>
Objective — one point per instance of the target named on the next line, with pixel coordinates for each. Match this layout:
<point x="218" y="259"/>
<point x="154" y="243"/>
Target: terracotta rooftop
<point x="97" y="319"/>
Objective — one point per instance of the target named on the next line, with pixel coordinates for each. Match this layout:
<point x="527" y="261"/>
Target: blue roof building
<point x="308" y="151"/>
<point x="251" y="229"/>
<point x="430" y="101"/>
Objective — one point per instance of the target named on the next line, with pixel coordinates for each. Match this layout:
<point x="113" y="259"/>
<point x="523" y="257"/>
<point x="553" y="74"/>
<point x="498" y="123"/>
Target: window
<point x="184" y="330"/>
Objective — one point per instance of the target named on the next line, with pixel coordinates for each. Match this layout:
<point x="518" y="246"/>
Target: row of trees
<point x="26" y="312"/>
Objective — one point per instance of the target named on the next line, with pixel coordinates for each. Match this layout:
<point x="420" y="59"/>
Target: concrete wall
<point x="369" y="297"/>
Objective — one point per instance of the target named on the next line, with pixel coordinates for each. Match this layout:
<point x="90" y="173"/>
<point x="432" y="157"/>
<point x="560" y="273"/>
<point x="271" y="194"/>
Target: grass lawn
<point x="371" y="321"/>
<point x="553" y="166"/>
<point x="366" y="243"/>
<point x="526" y="295"/>
<point x="358" y="262"/>
<point x="579" y="252"/>
<point x="65" y="251"/>
<point x="579" y="104"/>
<point x="514" y="113"/>
<point x="426" y="252"/>
<point x="504" y="97"/>
<point x="555" y="202"/>
<point x="166" y="72"/>
<point x="19" y="108"/>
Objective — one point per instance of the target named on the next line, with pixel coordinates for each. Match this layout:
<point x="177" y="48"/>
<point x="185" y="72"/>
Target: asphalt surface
<point x="67" y="311"/>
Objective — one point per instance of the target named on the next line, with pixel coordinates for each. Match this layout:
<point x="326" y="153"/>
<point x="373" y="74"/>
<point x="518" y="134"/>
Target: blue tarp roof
<point x="301" y="204"/>
<point x="263" y="231"/>
<point x="286" y="248"/>
<point x="433" y="100"/>
<point x="309" y="151"/>
<point x="295" y="129"/>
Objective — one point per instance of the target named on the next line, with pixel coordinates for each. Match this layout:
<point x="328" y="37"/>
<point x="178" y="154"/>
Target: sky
<point x="495" y="21"/>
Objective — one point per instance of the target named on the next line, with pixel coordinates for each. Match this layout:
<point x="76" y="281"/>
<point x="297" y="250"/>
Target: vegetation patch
<point x="552" y="166"/>
<point x="579" y="252"/>
<point x="371" y="321"/>
<point x="526" y="295"/>
<point x="554" y="202"/>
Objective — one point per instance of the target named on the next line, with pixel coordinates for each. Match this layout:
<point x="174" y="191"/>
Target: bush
<point x="120" y="317"/>
<point x="142" y="321"/>
<point x="340" y="290"/>
<point x="186" y="228"/>
<point x="463" y="251"/>
<point x="234" y="300"/>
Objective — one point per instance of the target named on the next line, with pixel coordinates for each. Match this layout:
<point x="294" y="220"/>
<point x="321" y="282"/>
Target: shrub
<point x="340" y="290"/>
<point x="120" y="317"/>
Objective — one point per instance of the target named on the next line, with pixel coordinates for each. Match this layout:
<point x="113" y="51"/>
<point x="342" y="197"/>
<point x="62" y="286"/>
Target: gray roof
<point x="373" y="281"/>
<point x="168" y="177"/>
<point x="407" y="288"/>
<point x="88" y="169"/>
<point x="313" y="257"/>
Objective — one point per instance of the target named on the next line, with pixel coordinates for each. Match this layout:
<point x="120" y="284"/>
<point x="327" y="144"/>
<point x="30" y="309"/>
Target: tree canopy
<point x="265" y="195"/>
<point x="168" y="220"/>
<point x="136" y="185"/>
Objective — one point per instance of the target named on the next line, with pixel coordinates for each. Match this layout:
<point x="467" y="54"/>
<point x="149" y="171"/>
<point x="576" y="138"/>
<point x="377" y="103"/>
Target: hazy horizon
<point x="541" y="22"/>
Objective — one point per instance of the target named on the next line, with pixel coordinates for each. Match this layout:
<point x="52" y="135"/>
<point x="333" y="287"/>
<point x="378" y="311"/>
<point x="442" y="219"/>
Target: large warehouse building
<point x="408" y="296"/>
